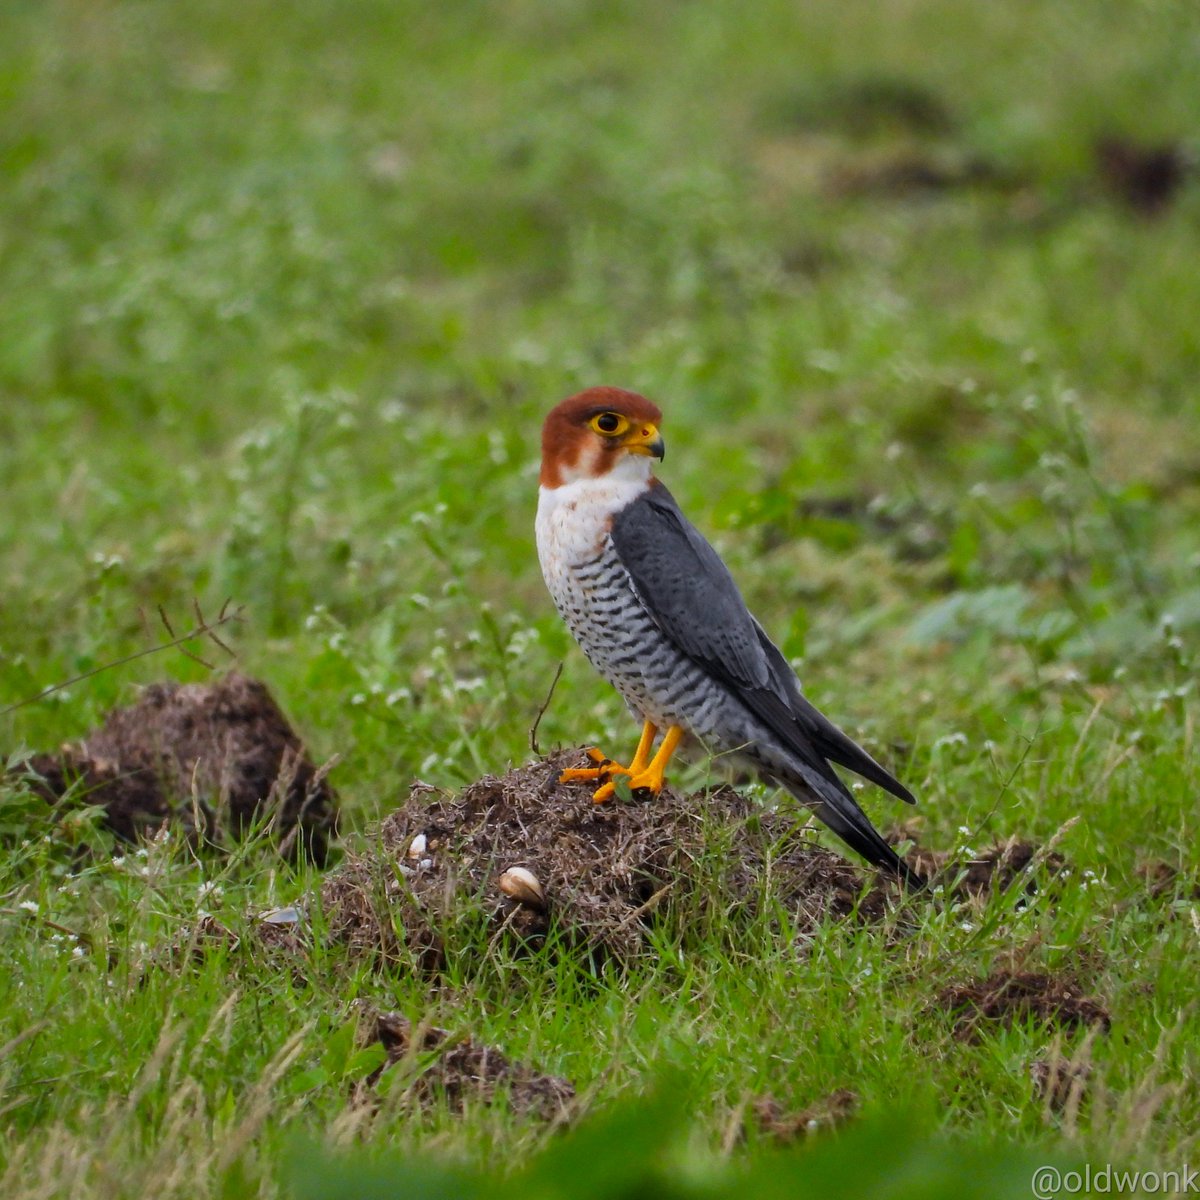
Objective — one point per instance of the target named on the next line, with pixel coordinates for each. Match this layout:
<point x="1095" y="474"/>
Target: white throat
<point x="629" y="477"/>
<point x="573" y="519"/>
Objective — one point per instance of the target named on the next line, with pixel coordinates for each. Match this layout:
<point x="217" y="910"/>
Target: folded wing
<point x="691" y="596"/>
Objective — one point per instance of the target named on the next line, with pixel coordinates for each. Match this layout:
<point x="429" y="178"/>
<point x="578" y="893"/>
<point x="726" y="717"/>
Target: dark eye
<point x="608" y="422"/>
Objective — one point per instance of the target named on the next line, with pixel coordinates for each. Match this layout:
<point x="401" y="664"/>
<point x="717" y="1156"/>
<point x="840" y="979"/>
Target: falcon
<point x="657" y="613"/>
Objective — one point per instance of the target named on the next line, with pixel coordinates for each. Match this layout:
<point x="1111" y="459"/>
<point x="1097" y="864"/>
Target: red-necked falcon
<point x="659" y="616"/>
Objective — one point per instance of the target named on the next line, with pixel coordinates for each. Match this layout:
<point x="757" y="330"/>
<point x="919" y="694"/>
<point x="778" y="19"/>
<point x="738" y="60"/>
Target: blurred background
<point x="288" y="288"/>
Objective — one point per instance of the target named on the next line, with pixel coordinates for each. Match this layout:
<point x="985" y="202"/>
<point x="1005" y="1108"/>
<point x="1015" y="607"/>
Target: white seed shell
<point x="417" y="846"/>
<point x="523" y="886"/>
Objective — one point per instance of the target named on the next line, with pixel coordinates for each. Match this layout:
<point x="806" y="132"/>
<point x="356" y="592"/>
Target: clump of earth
<point x="533" y="857"/>
<point x="216" y="759"/>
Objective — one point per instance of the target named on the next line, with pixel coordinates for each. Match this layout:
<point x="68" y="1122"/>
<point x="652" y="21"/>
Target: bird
<point x="657" y="613"/>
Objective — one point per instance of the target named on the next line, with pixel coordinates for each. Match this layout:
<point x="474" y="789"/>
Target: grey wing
<point x="689" y="592"/>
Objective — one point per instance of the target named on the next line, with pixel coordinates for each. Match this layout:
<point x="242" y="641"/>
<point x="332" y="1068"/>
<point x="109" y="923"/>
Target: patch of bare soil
<point x="994" y="869"/>
<point x="775" y="1121"/>
<point x="1162" y="879"/>
<point x="1059" y="1082"/>
<point x="1145" y="177"/>
<point x="533" y="857"/>
<point x="910" y="170"/>
<point x="217" y="759"/>
<point x="1006" y="997"/>
<point x="459" y="1071"/>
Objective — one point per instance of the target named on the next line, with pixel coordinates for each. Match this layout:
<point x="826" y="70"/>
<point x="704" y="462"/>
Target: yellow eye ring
<point x="609" y="424"/>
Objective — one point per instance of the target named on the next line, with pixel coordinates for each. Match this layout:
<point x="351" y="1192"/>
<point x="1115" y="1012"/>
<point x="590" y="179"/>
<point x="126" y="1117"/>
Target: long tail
<point x="837" y="808"/>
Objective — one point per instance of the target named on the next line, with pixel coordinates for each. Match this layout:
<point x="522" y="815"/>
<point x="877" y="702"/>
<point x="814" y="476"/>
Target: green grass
<point x="287" y="290"/>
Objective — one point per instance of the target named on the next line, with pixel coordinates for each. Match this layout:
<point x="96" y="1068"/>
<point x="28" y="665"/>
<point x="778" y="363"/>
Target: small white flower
<point x="118" y="860"/>
<point x="78" y="952"/>
<point x="951" y="739"/>
<point x="29" y="906"/>
<point x="210" y="888"/>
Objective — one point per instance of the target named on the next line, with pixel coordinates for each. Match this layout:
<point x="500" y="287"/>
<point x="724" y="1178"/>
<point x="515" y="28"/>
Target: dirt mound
<point x="1161" y="879"/>
<point x="994" y="869"/>
<point x="1146" y="177"/>
<point x="459" y="1071"/>
<point x="773" y="1120"/>
<point x="1006" y="997"/>
<point x="217" y="759"/>
<point x="529" y="855"/>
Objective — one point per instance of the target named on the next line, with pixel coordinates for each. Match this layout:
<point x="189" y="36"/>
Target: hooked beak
<point x="645" y="439"/>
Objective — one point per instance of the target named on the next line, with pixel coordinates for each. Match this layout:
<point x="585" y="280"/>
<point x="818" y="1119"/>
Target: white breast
<point x="573" y="520"/>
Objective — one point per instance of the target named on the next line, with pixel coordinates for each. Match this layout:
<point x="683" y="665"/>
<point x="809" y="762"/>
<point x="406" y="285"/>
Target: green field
<point x="287" y="290"/>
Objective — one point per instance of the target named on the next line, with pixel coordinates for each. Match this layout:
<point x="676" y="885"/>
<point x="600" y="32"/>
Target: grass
<point x="287" y="292"/>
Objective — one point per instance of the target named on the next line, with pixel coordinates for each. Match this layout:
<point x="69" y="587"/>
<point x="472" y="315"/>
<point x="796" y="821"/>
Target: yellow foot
<point x="643" y="774"/>
<point x="644" y="781"/>
<point x="605" y="768"/>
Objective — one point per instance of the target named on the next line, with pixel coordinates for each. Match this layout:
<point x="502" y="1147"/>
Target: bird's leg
<point x="606" y="768"/>
<point x="648" y="776"/>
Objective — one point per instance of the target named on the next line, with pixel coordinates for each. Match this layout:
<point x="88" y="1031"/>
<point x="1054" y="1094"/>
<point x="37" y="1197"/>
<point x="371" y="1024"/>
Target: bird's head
<point x="599" y="431"/>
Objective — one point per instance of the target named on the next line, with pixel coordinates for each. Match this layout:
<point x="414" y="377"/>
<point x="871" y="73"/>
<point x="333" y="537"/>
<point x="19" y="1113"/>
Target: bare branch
<point x="196" y="658"/>
<point x="212" y="637"/>
<point x="533" y="743"/>
<point x="204" y="629"/>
